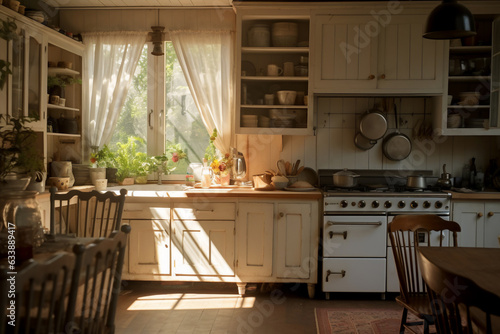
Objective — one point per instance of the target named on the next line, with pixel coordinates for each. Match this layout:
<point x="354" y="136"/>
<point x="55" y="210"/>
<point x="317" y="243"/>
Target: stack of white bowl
<point x="284" y="34"/>
<point x="264" y="121"/>
<point x="282" y="118"/>
<point x="249" y="121"/>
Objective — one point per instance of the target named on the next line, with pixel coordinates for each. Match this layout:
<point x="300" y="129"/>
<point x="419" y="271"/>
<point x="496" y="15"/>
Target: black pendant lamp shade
<point x="450" y="20"/>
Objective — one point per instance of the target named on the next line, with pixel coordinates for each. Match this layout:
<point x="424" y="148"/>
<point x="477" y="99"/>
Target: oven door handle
<point x="329" y="272"/>
<point x="330" y="223"/>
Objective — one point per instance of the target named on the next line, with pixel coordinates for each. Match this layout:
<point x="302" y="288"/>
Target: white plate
<point x="300" y="189"/>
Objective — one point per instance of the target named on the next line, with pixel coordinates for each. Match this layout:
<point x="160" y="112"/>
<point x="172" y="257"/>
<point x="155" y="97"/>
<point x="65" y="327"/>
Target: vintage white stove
<point x="356" y="256"/>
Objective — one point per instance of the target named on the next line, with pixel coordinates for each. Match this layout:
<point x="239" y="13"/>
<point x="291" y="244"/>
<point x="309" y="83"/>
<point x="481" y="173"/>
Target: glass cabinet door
<point x="34" y="78"/>
<point x="17" y="67"/>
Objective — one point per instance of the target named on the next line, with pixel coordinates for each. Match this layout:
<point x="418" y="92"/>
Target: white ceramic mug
<point x="274" y="70"/>
<point x="288" y="69"/>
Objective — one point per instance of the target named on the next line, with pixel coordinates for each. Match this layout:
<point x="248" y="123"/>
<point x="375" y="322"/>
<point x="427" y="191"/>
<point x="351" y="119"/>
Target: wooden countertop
<point x="478" y="195"/>
<point x="173" y="191"/>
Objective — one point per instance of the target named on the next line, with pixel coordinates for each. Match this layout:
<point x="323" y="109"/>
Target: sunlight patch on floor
<point x="190" y="301"/>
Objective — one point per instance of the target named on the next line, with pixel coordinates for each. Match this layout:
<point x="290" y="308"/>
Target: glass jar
<point x="21" y="213"/>
<point x="206" y="177"/>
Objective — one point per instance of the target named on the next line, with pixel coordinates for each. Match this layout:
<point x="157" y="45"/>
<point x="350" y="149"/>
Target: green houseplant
<point x="125" y="155"/>
<point x="19" y="156"/>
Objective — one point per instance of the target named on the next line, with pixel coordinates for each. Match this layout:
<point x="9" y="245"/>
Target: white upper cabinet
<point x="376" y="55"/>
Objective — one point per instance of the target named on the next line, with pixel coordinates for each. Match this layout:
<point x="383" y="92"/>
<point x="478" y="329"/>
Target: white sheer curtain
<point x="206" y="58"/>
<point x="109" y="64"/>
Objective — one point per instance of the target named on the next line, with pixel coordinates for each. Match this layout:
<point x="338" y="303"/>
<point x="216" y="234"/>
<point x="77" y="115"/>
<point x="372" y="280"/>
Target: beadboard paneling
<point x="91" y="20"/>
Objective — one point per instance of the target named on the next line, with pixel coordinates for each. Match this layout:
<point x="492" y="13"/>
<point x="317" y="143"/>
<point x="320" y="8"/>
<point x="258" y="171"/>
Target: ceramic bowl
<point x="286" y="97"/>
<point x="61" y="183"/>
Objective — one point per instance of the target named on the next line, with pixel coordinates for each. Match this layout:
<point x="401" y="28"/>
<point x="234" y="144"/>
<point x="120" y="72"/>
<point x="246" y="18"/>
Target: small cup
<point x="62" y="102"/>
<point x="61" y="183"/>
<point x="54" y="99"/>
<point x="101" y="184"/>
<point x="274" y="70"/>
<point x="269" y="99"/>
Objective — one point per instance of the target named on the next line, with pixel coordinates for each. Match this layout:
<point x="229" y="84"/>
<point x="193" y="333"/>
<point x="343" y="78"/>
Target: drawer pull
<point x="490" y="214"/>
<point x="329" y="223"/>
<point x="198" y="210"/>
<point x="329" y="272"/>
<point x="479" y="214"/>
<point x="338" y="233"/>
<point x="371" y="77"/>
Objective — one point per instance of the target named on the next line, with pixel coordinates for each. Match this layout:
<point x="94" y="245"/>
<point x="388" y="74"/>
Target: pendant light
<point x="450" y="20"/>
<point x="157" y="40"/>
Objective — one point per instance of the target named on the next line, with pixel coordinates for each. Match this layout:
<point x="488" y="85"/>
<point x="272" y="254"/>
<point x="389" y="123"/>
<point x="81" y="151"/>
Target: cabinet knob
<point x="371" y="77"/>
<point x="479" y="214"/>
<point x="491" y="214"/>
<point x="382" y="76"/>
<point x="282" y="214"/>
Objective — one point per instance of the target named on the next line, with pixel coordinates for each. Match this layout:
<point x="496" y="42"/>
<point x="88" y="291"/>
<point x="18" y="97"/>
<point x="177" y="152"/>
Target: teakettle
<point x="239" y="167"/>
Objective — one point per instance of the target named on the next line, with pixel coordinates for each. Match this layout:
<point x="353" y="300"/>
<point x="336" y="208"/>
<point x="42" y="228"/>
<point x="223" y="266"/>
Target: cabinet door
<point x="406" y="60"/>
<point x="346" y="56"/>
<point x="204" y="248"/>
<point x="293" y="241"/>
<point x="469" y="215"/>
<point x="149" y="247"/>
<point x="491" y="225"/>
<point x="255" y="239"/>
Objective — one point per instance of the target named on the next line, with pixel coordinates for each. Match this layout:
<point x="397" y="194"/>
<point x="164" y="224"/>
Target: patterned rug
<point x="358" y="321"/>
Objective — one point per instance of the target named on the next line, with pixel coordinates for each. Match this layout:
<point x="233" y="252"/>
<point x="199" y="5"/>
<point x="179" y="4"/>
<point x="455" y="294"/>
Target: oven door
<point x="392" y="275"/>
<point x="354" y="235"/>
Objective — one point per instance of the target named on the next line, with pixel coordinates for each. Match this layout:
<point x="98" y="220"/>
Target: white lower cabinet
<point x="479" y="221"/>
<point x="151" y="244"/>
<point x="234" y="240"/>
<point x="293" y="256"/>
<point x="277" y="241"/>
<point x="254" y="237"/>
<point x="203" y="248"/>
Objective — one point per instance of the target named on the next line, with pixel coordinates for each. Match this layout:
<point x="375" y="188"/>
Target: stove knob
<point x="361" y="204"/>
<point x="387" y="204"/>
<point x="343" y="204"/>
<point x="427" y="204"/>
<point x="413" y="204"/>
<point x="375" y="204"/>
<point x="401" y="204"/>
<point x="438" y="205"/>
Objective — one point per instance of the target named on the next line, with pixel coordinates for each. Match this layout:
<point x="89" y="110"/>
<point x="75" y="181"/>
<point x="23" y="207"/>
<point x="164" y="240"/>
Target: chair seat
<point x="417" y="304"/>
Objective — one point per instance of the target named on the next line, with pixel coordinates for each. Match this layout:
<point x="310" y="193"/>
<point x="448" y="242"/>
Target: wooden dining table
<point x="479" y="265"/>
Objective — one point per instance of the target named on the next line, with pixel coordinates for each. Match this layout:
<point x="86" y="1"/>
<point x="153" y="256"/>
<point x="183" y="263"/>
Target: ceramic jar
<point x="21" y="214"/>
<point x="259" y="35"/>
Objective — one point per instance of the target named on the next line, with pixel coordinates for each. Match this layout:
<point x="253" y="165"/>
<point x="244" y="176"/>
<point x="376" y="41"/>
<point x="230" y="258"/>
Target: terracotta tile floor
<point x="216" y="308"/>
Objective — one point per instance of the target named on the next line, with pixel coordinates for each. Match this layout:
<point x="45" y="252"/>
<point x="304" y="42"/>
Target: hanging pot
<point x="363" y="143"/>
<point x="373" y="124"/>
<point x="396" y="146"/>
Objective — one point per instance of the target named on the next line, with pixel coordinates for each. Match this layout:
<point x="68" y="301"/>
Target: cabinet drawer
<point x="205" y="211"/>
<point x="144" y="211"/>
<point x="359" y="275"/>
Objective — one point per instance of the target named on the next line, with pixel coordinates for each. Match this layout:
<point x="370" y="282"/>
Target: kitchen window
<point x="160" y="110"/>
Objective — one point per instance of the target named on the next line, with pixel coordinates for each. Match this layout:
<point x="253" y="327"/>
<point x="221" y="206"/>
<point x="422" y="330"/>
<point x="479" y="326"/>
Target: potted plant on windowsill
<point x="125" y="155"/>
<point x="141" y="167"/>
